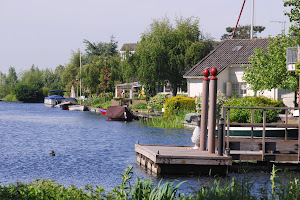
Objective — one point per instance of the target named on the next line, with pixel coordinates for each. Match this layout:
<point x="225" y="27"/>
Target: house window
<point x="239" y="89"/>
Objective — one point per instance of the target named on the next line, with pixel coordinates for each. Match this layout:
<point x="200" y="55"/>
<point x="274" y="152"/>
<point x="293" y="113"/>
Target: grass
<point x="164" y="122"/>
<point x="281" y="186"/>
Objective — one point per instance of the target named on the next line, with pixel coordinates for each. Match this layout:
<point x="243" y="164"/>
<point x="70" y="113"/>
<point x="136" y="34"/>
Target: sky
<point x="45" y="33"/>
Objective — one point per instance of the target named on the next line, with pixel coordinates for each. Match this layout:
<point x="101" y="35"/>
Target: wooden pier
<point x="180" y="160"/>
<point x="261" y="151"/>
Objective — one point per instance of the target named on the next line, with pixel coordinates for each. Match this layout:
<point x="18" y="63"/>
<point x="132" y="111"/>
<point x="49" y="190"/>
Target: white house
<point x="229" y="57"/>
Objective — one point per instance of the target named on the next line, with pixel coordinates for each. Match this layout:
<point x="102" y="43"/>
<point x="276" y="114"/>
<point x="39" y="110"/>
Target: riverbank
<point x="234" y="188"/>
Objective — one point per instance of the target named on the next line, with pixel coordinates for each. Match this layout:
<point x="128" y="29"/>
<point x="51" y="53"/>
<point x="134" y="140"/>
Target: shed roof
<point x="228" y="53"/>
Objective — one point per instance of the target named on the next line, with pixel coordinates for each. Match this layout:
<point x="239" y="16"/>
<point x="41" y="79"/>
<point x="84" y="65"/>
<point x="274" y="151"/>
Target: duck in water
<point x="52" y="153"/>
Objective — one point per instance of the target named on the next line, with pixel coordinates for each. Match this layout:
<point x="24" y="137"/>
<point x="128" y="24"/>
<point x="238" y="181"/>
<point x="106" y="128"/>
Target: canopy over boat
<point x="120" y="113"/>
<point x="55" y="97"/>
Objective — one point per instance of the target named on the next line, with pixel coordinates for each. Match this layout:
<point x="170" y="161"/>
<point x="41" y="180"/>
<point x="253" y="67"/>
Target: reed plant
<point x="171" y="122"/>
<point x="280" y="186"/>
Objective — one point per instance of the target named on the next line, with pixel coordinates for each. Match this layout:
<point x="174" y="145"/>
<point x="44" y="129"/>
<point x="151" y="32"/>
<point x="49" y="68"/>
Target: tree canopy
<point x="167" y="51"/>
<point x="294" y="16"/>
<point x="268" y="70"/>
<point x="242" y="32"/>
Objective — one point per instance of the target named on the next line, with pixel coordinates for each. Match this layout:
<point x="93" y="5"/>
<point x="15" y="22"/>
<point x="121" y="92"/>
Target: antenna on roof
<point x="282" y="24"/>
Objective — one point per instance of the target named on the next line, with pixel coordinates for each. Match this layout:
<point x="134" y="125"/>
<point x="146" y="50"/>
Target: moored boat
<point x="103" y="111"/>
<point x="120" y="113"/>
<point x="55" y="99"/>
<point x="78" y="108"/>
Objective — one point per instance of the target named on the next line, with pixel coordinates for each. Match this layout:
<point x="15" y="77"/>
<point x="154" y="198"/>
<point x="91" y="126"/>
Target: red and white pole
<point x="212" y="110"/>
<point x="204" y="111"/>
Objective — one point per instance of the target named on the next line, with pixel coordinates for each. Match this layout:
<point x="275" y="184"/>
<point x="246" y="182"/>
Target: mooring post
<point x="204" y="111"/>
<point x="220" y="136"/>
<point x="212" y="110"/>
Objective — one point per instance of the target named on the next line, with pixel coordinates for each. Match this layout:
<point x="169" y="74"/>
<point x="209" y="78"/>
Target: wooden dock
<point x="261" y="151"/>
<point x="180" y="160"/>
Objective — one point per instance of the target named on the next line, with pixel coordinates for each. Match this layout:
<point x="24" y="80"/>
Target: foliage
<point x="244" y="115"/>
<point x="157" y="100"/>
<point x="268" y="69"/>
<point x="170" y="122"/>
<point x="103" y="100"/>
<point x="29" y="93"/>
<point x="242" y="32"/>
<point x="140" y="106"/>
<point x="101" y="48"/>
<point x="162" y="53"/>
<point x="104" y="80"/>
<point x="294" y="16"/>
<point x="10" y="97"/>
<point x="174" y="104"/>
<point x="282" y="186"/>
<point x="221" y="100"/>
<point x="7" y="83"/>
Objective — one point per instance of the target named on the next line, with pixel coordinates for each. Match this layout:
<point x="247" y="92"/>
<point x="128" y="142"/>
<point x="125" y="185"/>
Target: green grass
<point x="280" y="186"/>
<point x="165" y="122"/>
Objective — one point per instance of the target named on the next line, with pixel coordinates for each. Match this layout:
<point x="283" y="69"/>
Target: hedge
<point x="174" y="104"/>
<point x="244" y="115"/>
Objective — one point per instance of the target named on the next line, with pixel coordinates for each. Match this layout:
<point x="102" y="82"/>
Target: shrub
<point x="29" y="93"/>
<point x="174" y="104"/>
<point x="157" y="100"/>
<point x="221" y="100"/>
<point x="140" y="106"/>
<point x="10" y="97"/>
<point x="244" y="115"/>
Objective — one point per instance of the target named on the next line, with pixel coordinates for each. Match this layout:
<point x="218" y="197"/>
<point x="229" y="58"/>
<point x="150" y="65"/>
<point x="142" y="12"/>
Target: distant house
<point x="130" y="47"/>
<point x="229" y="57"/>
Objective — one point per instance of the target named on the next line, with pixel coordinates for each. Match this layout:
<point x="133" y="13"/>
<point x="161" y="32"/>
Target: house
<point x="130" y="47"/>
<point x="229" y="57"/>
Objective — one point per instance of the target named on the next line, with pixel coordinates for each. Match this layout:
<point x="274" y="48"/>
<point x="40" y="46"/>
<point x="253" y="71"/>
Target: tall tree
<point x="162" y="53"/>
<point x="268" y="69"/>
<point x="294" y="16"/>
<point x="242" y="32"/>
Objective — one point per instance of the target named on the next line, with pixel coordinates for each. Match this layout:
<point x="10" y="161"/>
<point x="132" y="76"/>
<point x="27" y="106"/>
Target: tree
<point x="162" y="53"/>
<point x="242" y="32"/>
<point x="101" y="48"/>
<point x="294" y="16"/>
<point x="33" y="77"/>
<point x="29" y="93"/>
<point x="268" y="69"/>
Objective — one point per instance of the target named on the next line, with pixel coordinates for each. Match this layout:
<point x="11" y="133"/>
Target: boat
<point x="103" y="111"/>
<point x="120" y="113"/>
<point x="68" y="101"/>
<point x="53" y="100"/>
<point x="78" y="108"/>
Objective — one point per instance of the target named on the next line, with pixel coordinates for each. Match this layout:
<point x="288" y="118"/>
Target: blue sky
<point x="44" y="33"/>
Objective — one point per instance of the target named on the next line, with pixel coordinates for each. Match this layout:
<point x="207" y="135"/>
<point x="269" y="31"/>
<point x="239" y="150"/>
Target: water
<point x="89" y="149"/>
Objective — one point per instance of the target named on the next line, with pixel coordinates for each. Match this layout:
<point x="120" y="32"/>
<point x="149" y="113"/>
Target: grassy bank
<point x="276" y="188"/>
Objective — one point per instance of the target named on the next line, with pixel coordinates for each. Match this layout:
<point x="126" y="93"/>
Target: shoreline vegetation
<point x="280" y="186"/>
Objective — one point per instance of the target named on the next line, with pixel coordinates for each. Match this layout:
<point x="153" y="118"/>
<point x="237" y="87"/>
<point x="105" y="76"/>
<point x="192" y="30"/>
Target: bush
<point x="244" y="115"/>
<point x="221" y="100"/>
<point x="174" y="104"/>
<point x="140" y="106"/>
<point x="10" y="97"/>
<point x="157" y="100"/>
<point x="29" y="93"/>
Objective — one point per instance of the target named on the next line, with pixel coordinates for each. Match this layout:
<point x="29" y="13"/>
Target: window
<point x="239" y="89"/>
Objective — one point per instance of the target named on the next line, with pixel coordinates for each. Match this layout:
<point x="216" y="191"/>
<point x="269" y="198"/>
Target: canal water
<point x="89" y="149"/>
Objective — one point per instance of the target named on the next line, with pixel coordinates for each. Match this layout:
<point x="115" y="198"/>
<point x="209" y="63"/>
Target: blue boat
<point x="54" y="99"/>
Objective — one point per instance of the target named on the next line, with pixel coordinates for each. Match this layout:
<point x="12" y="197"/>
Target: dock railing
<point x="264" y="125"/>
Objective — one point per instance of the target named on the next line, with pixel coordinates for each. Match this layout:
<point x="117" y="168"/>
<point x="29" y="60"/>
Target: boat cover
<point x="117" y="113"/>
<point x="55" y="97"/>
